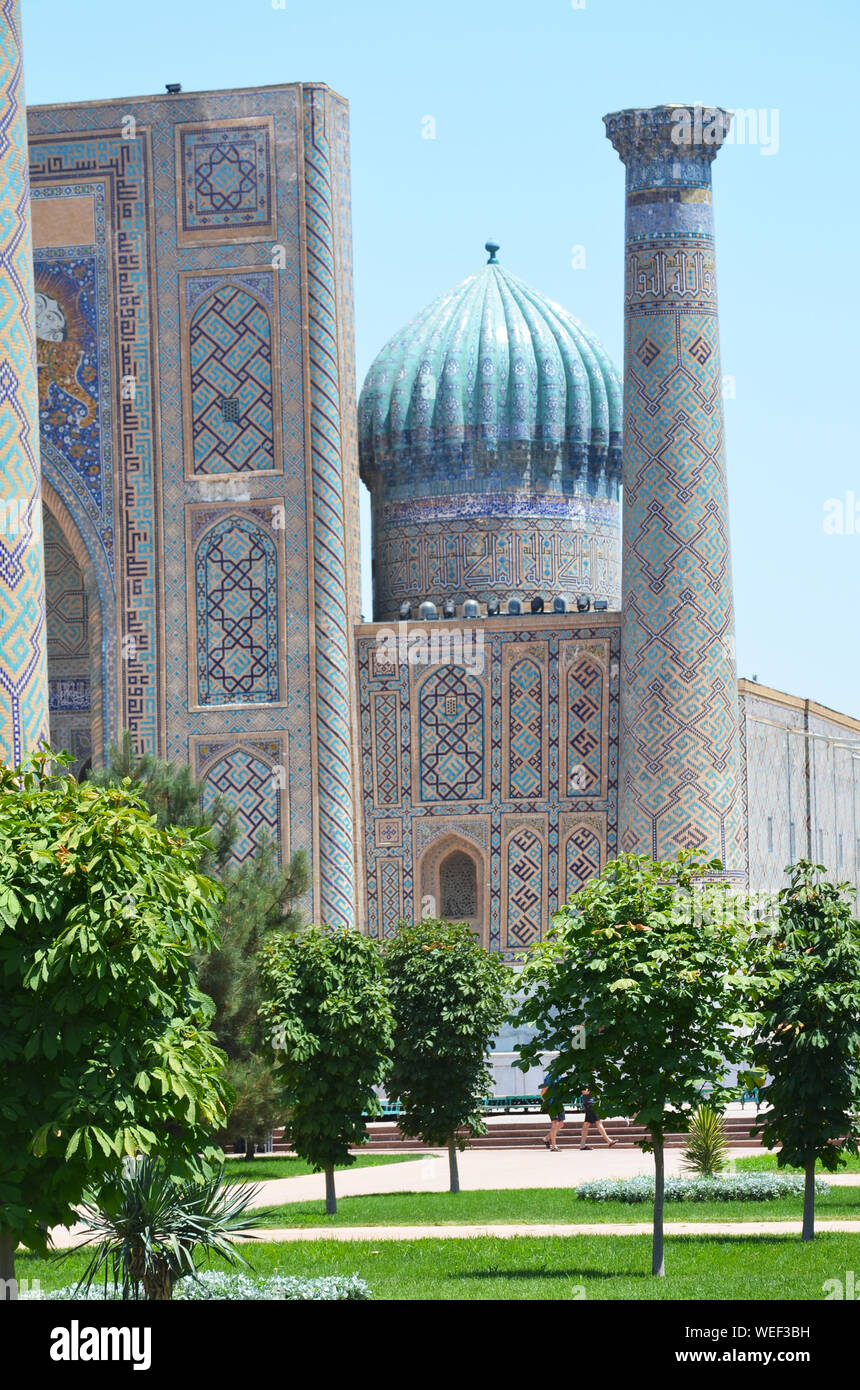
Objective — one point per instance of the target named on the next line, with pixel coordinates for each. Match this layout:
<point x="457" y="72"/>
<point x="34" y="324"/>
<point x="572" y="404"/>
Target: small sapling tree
<point x="808" y="1040"/>
<point x="450" y="997"/>
<point x="326" y="1011"/>
<point x="647" y="968"/>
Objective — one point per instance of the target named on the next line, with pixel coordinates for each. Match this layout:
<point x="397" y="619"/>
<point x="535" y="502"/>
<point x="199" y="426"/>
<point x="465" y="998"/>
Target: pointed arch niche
<point x="236" y="623"/>
<point x="77" y="692"/>
<point x="454" y="883"/>
<point x="251" y="774"/>
<point x="230" y="374"/>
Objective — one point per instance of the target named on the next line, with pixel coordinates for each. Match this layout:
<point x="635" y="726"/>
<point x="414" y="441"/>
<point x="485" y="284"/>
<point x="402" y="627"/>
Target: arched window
<point x="458" y="887"/>
<point x="230" y="342"/>
<point x="236" y="582"/>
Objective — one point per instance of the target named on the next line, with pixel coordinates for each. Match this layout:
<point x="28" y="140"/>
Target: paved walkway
<point x="487" y="1168"/>
<point x="479" y="1168"/>
<point x="632" y="1228"/>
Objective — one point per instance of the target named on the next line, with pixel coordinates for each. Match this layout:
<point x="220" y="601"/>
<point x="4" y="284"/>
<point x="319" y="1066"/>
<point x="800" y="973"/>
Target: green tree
<point x="259" y="898"/>
<point x="327" y="1013"/>
<point x="646" y="968"/>
<point x="170" y="793"/>
<point x="258" y="905"/>
<point x="105" y="1048"/>
<point x="808" y="1039"/>
<point x="450" y="997"/>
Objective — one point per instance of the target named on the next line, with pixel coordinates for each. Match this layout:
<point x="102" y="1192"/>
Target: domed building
<point x="490" y="441"/>
<point x="545" y="682"/>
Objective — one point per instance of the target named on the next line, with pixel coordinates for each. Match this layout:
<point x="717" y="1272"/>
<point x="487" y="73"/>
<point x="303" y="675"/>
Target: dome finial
<point x="492" y="247"/>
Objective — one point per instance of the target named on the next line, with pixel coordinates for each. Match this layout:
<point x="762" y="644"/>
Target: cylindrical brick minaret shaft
<point x="680" y="756"/>
<point x="23" y="657"/>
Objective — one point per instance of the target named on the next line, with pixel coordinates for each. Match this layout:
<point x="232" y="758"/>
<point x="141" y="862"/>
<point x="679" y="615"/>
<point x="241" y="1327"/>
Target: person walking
<point x="554" y="1107"/>
<point x="591" y="1119"/>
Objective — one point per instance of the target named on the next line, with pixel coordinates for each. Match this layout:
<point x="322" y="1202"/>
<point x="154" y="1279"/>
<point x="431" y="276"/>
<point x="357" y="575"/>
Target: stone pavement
<point x="479" y="1168"/>
<point x="632" y="1228"/>
<point x="488" y="1168"/>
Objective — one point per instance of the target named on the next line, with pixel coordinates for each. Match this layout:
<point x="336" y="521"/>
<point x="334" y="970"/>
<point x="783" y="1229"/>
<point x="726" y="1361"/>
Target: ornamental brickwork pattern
<point x="680" y="759"/>
<point x="484" y="759"/>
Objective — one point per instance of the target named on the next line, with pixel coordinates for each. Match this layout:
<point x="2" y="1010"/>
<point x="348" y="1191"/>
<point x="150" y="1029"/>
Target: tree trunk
<point x="808" y="1231"/>
<point x="250" y="1149"/>
<point x="453" y="1169"/>
<point x="8" y="1246"/>
<point x="158" y="1283"/>
<point x="657" y="1262"/>
<point x="330" y="1196"/>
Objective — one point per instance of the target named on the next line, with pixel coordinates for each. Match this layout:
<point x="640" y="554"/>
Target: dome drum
<point x="490" y="440"/>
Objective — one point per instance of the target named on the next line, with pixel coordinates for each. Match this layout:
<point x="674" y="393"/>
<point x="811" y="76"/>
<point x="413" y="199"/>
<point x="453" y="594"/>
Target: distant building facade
<point x="564" y="697"/>
<point x="193" y="312"/>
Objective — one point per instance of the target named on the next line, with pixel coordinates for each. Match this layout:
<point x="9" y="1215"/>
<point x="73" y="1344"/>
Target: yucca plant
<point x="707" y="1150"/>
<point x="152" y="1229"/>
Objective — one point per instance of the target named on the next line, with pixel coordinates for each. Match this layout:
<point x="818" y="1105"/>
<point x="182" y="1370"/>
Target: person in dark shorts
<point x="591" y="1119"/>
<point x="553" y="1104"/>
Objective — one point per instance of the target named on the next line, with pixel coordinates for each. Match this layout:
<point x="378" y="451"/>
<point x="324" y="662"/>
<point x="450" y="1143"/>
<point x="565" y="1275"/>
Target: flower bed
<point x="737" y="1187"/>
<point x="240" y="1288"/>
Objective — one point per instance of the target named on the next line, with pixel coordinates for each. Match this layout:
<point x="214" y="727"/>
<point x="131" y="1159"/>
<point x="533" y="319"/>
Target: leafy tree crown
<point x="105" y="1049"/>
<point x="450" y="997"/>
<point x="327" y="1015"/>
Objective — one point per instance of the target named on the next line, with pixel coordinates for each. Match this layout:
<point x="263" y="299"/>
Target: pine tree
<point x="171" y="795"/>
<point x="258" y="904"/>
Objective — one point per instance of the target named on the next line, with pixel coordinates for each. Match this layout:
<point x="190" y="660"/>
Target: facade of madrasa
<point x="568" y="689"/>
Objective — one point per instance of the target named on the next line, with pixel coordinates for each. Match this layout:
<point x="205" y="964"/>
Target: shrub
<point x="740" y="1187"/>
<point x="150" y="1228"/>
<point x="708" y="1147"/>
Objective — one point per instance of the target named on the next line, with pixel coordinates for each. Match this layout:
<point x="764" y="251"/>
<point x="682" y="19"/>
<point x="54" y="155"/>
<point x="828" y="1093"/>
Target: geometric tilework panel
<point x="558" y="683"/>
<point x="390" y="896"/>
<point x="584" y="730"/>
<point x="225" y="177"/>
<point x="386" y="743"/>
<point x="246" y="783"/>
<point x="526" y="730"/>
<point x="525" y="888"/>
<point x="67" y="619"/>
<point x="236" y="582"/>
<point x="231" y="355"/>
<point x="581" y="859"/>
<point x="66" y="597"/>
<point x="451" y="738"/>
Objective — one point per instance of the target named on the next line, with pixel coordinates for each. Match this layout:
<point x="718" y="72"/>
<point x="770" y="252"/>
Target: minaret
<point x="680" y="756"/>
<point x="23" y="658"/>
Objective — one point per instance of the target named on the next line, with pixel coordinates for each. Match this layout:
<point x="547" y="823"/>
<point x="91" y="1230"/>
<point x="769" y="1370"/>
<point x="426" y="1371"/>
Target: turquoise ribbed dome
<point x="491" y="366"/>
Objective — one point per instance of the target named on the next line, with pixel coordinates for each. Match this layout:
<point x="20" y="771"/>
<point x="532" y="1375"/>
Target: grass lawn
<point x="553" y="1267"/>
<point x="766" y="1163"/>
<point x="288" y="1166"/>
<point x="539" y="1204"/>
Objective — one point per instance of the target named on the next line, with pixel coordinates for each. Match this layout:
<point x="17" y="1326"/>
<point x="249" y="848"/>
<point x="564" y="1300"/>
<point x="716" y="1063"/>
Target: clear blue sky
<point x="517" y="92"/>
